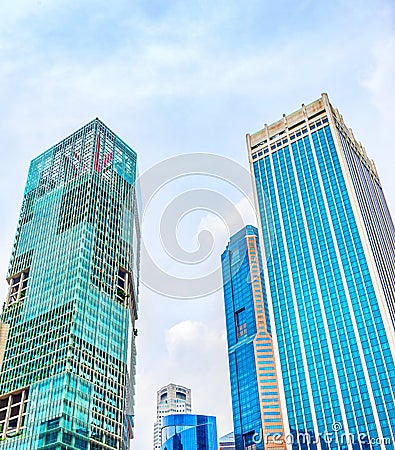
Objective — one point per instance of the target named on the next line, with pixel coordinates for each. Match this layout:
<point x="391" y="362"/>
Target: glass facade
<point x="373" y="207"/>
<point x="256" y="404"/>
<point x="189" y="432"/>
<point x="67" y="376"/>
<point x="331" y="313"/>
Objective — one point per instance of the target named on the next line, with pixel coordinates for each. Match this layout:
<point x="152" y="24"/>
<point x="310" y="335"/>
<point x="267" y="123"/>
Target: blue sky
<point x="179" y="77"/>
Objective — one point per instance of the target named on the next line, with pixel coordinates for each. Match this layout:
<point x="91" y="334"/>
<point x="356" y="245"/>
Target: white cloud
<point x="194" y="354"/>
<point x="220" y="230"/>
<point x="380" y="85"/>
<point x="197" y="357"/>
<point x="189" y="340"/>
<point x="380" y="82"/>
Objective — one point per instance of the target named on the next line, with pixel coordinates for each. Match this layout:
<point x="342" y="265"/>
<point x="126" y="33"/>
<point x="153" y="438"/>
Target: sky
<point x="177" y="78"/>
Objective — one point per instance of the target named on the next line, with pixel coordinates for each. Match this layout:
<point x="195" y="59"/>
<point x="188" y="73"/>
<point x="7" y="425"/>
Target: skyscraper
<point x="328" y="246"/>
<point x="256" y="402"/>
<point x="189" y="432"/>
<point x="171" y="399"/>
<point x="67" y="376"/>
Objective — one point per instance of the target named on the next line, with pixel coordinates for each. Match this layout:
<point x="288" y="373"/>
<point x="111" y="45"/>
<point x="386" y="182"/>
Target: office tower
<point x="328" y="247"/>
<point x="256" y="404"/>
<point x="189" y="432"/>
<point x="170" y="399"/>
<point x="68" y="363"/>
<point x="227" y="442"/>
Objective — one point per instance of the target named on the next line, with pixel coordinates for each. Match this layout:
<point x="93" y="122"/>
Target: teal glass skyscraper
<point x="66" y="332"/>
<point x="328" y="245"/>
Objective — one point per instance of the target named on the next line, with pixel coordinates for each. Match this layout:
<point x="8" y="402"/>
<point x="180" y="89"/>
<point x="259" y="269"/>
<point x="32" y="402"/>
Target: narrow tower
<point x="171" y="399"/>
<point x="256" y="403"/>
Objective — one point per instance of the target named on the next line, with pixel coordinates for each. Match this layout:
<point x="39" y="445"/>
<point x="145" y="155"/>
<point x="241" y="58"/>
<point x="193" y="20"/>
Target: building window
<point x="248" y="441"/>
<point x="181" y="396"/>
<point x="18" y="287"/>
<point x="123" y="288"/>
<point x="12" y="412"/>
<point x="241" y="323"/>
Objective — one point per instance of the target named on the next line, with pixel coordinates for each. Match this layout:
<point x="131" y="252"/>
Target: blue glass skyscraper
<point x="67" y="373"/>
<point x="256" y="404"/>
<point x="328" y="247"/>
<point x="189" y="432"/>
